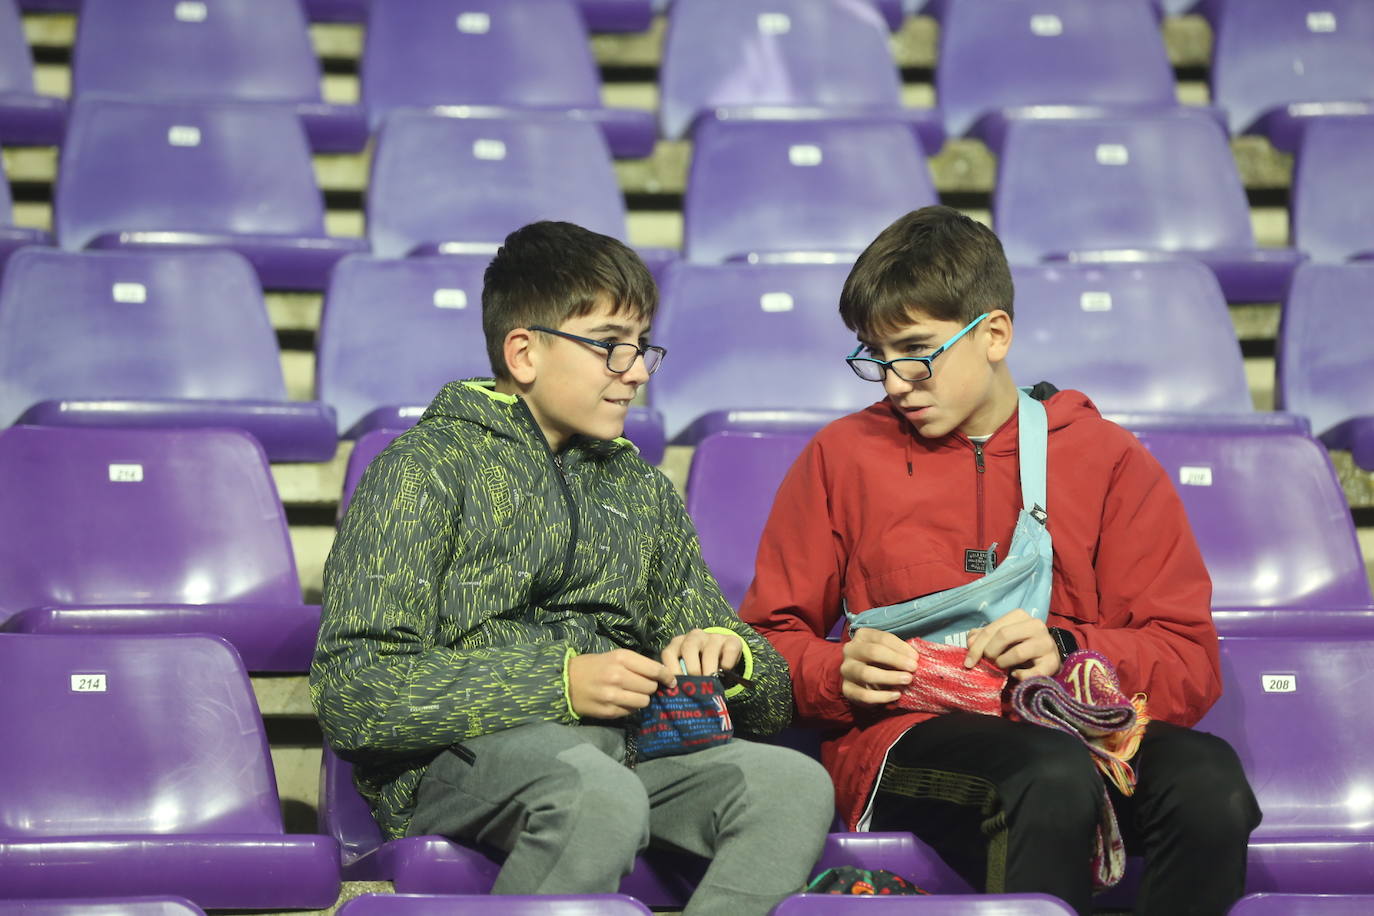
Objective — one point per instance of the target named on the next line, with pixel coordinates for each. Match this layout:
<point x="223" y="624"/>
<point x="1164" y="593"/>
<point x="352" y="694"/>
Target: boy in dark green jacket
<point x="511" y="581"/>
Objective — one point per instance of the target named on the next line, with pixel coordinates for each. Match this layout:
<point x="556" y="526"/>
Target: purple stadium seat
<point x="126" y="906"/>
<point x="1331" y="200"/>
<point x="792" y="57"/>
<point x="228" y="175"/>
<point x="1277" y="64"/>
<point x="935" y="905"/>
<point x="1324" y="365"/>
<point x="150" y="531"/>
<point x="138" y="765"/>
<point x="12" y="237"/>
<point x="436" y="865"/>
<point x="793" y="341"/>
<point x="224" y="51"/>
<point x="1058" y="58"/>
<point x="730" y="490"/>
<point x="600" y="15"/>
<point x="492" y="53"/>
<point x="393" y="332"/>
<point x="25" y="116"/>
<point x="483" y="904"/>
<point x="139" y="339"/>
<point x="1131" y="189"/>
<point x="1270" y="517"/>
<point x="1292" y="709"/>
<point x="1098" y="328"/>
<point x="762" y="190"/>
<point x="460" y="185"/>
<point x="1304" y="905"/>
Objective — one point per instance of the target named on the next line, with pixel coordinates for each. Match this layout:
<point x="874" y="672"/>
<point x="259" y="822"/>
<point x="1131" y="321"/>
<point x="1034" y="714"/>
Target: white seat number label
<point x="190" y="11"/>
<point x="1112" y="154"/>
<point x="491" y="150"/>
<point x="1046" y="25"/>
<point x="1095" y="301"/>
<point x="1321" y="21"/>
<point x="129" y="292"/>
<point x="474" y="23"/>
<point x="1279" y="683"/>
<point x="88" y="683"/>
<point x="1195" y="476"/>
<point x="776" y="302"/>
<point x="450" y="299"/>
<point x="183" y="135"/>
<point x="774" y="23"/>
<point x="804" y="154"/>
<point x="126" y="473"/>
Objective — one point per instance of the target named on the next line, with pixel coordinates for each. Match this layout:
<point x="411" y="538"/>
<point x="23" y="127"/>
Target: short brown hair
<point x="548" y="272"/>
<point x="935" y="261"/>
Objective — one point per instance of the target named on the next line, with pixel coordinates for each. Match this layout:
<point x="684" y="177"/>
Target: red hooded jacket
<point x="872" y="514"/>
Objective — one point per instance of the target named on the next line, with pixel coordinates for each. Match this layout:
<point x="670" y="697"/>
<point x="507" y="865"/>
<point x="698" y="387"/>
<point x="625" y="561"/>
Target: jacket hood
<point x="477" y="401"/>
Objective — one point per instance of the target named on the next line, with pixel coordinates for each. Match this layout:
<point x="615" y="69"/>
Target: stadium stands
<point x="1331" y="199"/>
<point x="25" y="116"/>
<point x="13" y="237"/>
<point x="481" y="904"/>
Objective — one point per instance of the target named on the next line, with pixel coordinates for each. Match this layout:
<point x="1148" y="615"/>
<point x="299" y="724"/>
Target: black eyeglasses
<point x="620" y="357"/>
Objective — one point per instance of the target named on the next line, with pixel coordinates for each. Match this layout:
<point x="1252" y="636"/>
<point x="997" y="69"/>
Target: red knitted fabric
<point x="941" y="683"/>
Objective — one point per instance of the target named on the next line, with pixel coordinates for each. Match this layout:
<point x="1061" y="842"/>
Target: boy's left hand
<point x="1015" y="642"/>
<point x="703" y="653"/>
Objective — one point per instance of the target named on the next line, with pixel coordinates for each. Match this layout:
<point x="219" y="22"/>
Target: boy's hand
<point x="703" y="653"/>
<point x="608" y="685"/>
<point x="1015" y="642"/>
<point x="876" y="666"/>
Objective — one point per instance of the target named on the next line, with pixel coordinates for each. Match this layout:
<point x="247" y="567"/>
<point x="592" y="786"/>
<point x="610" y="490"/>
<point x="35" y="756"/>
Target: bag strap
<point x="1033" y="436"/>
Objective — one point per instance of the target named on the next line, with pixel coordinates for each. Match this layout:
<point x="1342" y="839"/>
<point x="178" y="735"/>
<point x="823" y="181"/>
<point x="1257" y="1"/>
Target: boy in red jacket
<point x="913" y="496"/>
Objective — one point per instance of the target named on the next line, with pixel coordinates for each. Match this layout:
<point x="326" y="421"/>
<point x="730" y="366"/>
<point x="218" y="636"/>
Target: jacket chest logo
<point x="498" y="491"/>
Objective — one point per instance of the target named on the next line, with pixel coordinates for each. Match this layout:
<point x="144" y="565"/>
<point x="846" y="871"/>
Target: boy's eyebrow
<point x="622" y="330"/>
<point x="917" y="337"/>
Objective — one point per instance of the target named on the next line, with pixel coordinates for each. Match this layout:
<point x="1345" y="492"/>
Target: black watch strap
<point x="1064" y="641"/>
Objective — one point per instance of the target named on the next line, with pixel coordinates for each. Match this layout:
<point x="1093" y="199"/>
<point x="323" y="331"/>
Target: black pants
<point x="1014" y="807"/>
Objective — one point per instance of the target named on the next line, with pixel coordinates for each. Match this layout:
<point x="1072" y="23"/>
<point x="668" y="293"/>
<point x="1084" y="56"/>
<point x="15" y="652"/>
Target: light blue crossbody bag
<point x="1022" y="580"/>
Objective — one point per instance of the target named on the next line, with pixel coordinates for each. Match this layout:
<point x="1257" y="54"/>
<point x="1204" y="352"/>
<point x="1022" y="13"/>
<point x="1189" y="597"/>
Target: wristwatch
<point x="1064" y="641"/>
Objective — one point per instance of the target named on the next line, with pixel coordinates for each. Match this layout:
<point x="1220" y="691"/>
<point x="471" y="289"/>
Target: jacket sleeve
<point x="1154" y="595"/>
<point x="795" y="598"/>
<point x="683" y="595"/>
<point x="380" y="685"/>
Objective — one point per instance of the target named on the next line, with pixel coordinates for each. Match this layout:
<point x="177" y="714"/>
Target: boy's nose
<point x="895" y="385"/>
<point x="636" y="374"/>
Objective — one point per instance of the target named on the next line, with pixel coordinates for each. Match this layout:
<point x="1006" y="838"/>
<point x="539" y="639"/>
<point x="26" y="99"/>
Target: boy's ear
<point x="521" y="362"/>
<point x="999" y="335"/>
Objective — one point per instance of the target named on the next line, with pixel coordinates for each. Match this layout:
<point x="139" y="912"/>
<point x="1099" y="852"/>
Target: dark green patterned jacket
<point x="472" y="564"/>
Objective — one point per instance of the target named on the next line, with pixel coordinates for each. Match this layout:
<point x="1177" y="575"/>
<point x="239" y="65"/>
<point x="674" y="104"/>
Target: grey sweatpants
<point x="571" y="817"/>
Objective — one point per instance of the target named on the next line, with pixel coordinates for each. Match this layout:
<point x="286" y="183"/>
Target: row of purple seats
<point x="110" y="338"/>
<point x="1280" y="557"/>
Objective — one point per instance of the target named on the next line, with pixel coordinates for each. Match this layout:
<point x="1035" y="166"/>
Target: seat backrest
<point x="730" y="492"/>
<point x="1162" y="183"/>
<point x="181" y="166"/>
<point x="1269" y="53"/>
<point x="474" y="180"/>
<point x="114" y="906"/>
<point x="343" y="813"/>
<point x="144" y="517"/>
<point x="754" y="336"/>
<point x="769" y="187"/>
<point x="722" y="53"/>
<point x="121" y="324"/>
<point x="393" y="332"/>
<point x="249" y="50"/>
<point x="1331" y="196"/>
<point x="1303" y="905"/>
<point x="368" y="446"/>
<point x="1055" y="52"/>
<point x="1099" y="329"/>
<point x="131" y="735"/>
<point x="533" y="53"/>
<point x="1287" y="707"/>
<point x="1269" y="515"/>
<point x="1326" y="338"/>
<point x="16" y="61"/>
<point x="483" y="905"/>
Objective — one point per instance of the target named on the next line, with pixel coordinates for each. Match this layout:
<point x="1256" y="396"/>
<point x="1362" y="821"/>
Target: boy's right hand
<point x="876" y="666"/>
<point x="608" y="685"/>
